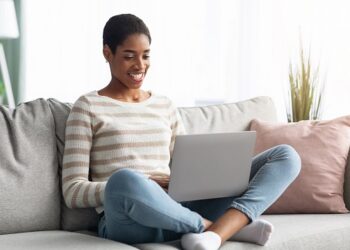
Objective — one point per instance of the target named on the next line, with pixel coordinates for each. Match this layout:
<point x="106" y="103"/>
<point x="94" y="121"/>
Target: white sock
<point x="203" y="241"/>
<point x="258" y="232"/>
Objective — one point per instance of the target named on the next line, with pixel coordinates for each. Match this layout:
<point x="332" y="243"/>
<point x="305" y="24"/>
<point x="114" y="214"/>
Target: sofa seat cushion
<point x="58" y="240"/>
<point x="301" y="231"/>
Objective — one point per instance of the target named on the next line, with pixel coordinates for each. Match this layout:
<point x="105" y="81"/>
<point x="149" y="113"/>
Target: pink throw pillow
<point x="323" y="147"/>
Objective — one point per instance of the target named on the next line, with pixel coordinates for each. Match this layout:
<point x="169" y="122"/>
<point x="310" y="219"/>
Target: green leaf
<point x="305" y="90"/>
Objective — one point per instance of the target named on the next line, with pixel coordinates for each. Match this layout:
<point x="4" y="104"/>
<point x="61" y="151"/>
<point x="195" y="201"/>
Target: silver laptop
<point x="206" y="166"/>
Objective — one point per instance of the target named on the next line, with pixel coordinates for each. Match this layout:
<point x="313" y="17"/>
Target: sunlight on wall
<point x="202" y="51"/>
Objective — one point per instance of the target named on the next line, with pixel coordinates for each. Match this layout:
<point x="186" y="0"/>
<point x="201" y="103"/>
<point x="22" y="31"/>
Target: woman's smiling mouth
<point x="137" y="76"/>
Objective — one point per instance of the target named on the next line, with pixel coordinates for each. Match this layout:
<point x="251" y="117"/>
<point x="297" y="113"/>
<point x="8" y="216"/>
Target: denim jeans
<point x="138" y="210"/>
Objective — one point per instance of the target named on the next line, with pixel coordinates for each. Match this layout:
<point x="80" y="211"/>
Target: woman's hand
<point x="161" y="179"/>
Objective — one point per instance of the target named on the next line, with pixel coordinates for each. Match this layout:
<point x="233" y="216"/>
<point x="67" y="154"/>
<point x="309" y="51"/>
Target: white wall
<point x="202" y="50"/>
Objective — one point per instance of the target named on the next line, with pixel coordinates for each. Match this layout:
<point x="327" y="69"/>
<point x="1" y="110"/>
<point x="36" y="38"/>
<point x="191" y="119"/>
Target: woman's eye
<point x="130" y="57"/>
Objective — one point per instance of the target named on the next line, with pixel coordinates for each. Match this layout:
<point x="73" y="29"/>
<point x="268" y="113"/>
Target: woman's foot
<point x="202" y="241"/>
<point x="258" y="232"/>
<point x="206" y="223"/>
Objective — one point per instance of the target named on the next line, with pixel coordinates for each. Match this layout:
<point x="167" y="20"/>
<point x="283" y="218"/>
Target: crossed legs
<point x="137" y="210"/>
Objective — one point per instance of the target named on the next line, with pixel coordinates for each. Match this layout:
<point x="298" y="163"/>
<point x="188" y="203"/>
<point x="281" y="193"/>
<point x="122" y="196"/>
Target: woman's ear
<point x="107" y="53"/>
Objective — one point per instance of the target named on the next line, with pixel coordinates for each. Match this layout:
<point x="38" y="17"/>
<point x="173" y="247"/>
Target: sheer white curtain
<point x="202" y="51"/>
<point x="193" y="47"/>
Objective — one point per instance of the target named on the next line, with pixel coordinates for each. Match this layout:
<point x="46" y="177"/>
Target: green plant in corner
<point x="305" y="91"/>
<point x="2" y="89"/>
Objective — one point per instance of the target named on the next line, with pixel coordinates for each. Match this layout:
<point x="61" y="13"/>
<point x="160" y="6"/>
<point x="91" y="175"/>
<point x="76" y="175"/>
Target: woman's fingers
<point x="162" y="180"/>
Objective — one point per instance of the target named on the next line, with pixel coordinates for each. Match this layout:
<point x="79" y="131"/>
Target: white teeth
<point x="137" y="76"/>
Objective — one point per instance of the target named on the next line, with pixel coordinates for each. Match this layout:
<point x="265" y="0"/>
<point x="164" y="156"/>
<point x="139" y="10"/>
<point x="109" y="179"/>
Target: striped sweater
<point x="104" y="135"/>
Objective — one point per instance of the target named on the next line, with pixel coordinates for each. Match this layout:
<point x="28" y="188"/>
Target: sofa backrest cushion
<point x="29" y="196"/>
<point x="228" y="117"/>
<point x="71" y="219"/>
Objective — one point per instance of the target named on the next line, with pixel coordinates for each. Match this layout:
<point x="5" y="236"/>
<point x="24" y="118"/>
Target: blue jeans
<point x="138" y="210"/>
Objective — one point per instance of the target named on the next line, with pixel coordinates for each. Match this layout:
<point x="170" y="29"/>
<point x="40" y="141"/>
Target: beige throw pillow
<point x="323" y="147"/>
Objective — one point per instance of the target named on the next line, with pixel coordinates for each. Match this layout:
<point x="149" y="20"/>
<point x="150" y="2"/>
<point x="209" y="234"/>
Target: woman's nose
<point x="140" y="63"/>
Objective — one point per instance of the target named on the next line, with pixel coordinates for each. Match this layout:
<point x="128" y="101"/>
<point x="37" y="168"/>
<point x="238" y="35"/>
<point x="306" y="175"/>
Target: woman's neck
<point x="124" y="94"/>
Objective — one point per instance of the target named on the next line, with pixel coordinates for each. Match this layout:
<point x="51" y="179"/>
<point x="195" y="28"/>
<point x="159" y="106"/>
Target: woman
<point x="119" y="142"/>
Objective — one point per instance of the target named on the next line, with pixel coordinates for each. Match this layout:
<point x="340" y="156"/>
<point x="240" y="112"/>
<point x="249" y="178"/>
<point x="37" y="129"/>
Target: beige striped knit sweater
<point x="104" y="135"/>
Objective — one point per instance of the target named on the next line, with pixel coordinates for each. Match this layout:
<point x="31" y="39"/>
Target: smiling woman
<point x="118" y="145"/>
<point x="128" y="58"/>
<point x="130" y="61"/>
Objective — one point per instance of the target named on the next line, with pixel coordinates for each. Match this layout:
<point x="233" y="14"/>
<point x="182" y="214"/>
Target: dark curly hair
<point x="119" y="27"/>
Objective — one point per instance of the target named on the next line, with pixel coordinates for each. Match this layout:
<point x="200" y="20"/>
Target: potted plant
<point x="305" y="92"/>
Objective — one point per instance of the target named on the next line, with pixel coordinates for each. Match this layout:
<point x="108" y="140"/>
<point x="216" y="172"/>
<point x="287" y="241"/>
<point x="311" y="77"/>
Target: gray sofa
<point x="32" y="212"/>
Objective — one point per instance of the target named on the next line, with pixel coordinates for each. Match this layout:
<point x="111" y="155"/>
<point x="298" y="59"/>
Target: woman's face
<point x="131" y="61"/>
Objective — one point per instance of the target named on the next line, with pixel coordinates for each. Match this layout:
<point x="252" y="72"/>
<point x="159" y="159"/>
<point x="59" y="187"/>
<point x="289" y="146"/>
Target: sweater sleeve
<point x="78" y="191"/>
<point x="177" y="127"/>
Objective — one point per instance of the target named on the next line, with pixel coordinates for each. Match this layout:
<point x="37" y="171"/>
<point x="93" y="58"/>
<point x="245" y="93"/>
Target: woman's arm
<point x="78" y="191"/>
<point x="177" y="127"/>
